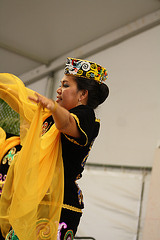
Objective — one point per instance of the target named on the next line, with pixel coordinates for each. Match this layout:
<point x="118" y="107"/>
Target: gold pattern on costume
<point x="85" y="158"/>
<point x="2" y="181"/>
<point x="86" y="69"/>
<point x="9" y="235"/>
<point x="97" y="120"/>
<point x="9" y="157"/>
<point x="44" y="229"/>
<point x="90" y="74"/>
<point x="74" y="141"/>
<point x="45" y="127"/>
<point x="74" y="209"/>
<point x="69" y="235"/>
<point x="80" y="72"/>
<point x="80" y="195"/>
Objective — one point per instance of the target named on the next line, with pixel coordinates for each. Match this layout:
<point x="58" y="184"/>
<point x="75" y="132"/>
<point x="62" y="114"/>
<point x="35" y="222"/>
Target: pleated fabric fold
<point x="32" y="195"/>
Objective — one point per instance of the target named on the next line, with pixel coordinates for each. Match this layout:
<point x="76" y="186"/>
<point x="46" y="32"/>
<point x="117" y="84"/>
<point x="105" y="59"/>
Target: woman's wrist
<point x="55" y="106"/>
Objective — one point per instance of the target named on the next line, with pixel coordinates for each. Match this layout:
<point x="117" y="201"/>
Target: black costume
<point x="74" y="153"/>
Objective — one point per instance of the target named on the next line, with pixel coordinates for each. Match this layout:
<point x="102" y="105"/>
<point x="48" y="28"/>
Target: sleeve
<point x="86" y="122"/>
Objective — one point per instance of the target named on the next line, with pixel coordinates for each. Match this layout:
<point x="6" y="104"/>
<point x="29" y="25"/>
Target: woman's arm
<point x="64" y="121"/>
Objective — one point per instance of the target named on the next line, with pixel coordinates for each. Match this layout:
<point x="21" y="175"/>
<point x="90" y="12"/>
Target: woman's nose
<point x="59" y="90"/>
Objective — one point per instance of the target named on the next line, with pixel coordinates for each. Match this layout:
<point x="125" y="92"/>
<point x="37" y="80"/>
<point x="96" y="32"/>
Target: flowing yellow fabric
<point x="32" y="196"/>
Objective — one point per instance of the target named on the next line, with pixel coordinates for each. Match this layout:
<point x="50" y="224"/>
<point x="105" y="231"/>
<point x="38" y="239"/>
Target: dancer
<point x="41" y="187"/>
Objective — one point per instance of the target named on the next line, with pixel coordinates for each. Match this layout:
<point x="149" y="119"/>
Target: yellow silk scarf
<point x="32" y="196"/>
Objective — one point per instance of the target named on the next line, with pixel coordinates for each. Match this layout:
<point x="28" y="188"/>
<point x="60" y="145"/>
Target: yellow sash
<point x="32" y="196"/>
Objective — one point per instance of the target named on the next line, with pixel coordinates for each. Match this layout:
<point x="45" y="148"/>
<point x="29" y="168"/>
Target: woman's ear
<point x="84" y="95"/>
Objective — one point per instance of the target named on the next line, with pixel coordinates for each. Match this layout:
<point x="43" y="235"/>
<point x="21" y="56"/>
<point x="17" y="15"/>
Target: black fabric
<point x="4" y="168"/>
<point x="86" y="117"/>
<point x="75" y="155"/>
<point x="1" y="237"/>
<point x="69" y="221"/>
<point x="75" y="152"/>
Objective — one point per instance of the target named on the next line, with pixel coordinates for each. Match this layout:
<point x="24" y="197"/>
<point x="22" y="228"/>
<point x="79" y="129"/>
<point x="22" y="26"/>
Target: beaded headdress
<point x="85" y="69"/>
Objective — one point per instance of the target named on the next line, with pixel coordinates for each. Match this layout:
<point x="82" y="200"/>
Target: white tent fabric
<point x="112" y="204"/>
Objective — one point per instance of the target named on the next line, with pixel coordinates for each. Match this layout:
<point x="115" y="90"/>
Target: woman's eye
<point x="65" y="85"/>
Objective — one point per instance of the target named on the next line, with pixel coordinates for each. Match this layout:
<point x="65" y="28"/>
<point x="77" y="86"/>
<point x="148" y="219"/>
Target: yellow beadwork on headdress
<point x="86" y="69"/>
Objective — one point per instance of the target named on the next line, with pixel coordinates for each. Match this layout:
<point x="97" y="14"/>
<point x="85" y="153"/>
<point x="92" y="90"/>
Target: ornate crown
<point x="86" y="69"/>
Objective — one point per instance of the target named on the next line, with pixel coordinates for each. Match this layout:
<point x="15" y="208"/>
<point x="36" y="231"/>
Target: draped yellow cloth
<point x="32" y="196"/>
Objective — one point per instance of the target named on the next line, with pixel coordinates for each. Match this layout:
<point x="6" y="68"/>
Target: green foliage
<point x="9" y="119"/>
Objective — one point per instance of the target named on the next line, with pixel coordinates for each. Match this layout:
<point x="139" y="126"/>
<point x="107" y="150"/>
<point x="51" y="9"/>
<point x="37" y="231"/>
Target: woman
<point x="81" y="90"/>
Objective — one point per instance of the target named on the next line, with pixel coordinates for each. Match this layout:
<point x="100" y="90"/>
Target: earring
<point x="79" y="102"/>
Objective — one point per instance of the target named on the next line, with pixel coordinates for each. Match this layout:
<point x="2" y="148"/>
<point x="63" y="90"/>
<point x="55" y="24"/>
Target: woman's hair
<point x="97" y="92"/>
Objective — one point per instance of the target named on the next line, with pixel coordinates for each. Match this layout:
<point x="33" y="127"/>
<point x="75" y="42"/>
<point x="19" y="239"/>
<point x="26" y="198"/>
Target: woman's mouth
<point x="58" y="99"/>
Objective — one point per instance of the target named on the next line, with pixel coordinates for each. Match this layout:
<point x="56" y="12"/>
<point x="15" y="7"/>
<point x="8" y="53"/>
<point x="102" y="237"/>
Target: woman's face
<point x="68" y="95"/>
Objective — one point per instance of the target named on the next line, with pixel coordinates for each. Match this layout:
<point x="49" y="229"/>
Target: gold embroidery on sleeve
<point x="73" y="140"/>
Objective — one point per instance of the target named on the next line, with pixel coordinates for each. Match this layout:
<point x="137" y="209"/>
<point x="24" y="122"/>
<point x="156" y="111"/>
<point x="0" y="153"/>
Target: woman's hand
<point x="64" y="121"/>
<point x="44" y="101"/>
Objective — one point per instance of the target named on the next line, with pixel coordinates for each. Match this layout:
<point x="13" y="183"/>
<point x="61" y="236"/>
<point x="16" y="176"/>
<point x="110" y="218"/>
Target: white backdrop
<point x="40" y="86"/>
<point x="130" y="119"/>
<point x="112" y="204"/>
<point x="130" y="129"/>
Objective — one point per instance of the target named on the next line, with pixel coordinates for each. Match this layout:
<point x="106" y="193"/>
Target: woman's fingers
<point x="45" y="102"/>
<point x="34" y="99"/>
